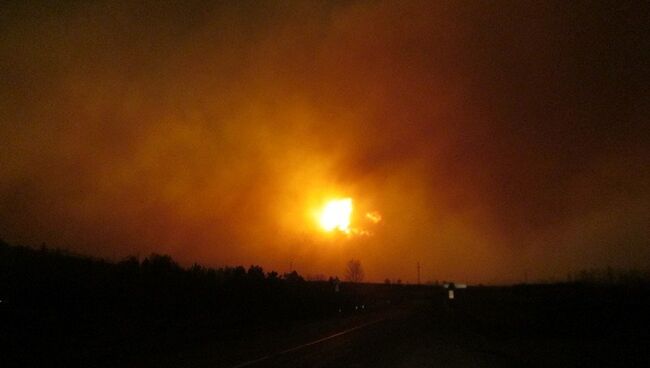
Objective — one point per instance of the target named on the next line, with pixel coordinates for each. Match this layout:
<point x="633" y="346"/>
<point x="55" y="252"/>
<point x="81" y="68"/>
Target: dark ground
<point x="60" y="309"/>
<point x="533" y="326"/>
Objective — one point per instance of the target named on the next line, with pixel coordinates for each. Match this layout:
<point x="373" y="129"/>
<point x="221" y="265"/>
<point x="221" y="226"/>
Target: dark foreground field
<point x="64" y="310"/>
<point x="533" y="326"/>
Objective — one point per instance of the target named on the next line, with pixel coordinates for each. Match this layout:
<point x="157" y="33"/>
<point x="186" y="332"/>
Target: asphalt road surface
<point x="410" y="337"/>
<point x="417" y="334"/>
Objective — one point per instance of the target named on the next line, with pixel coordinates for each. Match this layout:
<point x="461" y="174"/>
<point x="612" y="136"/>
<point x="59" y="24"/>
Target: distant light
<point x="373" y="216"/>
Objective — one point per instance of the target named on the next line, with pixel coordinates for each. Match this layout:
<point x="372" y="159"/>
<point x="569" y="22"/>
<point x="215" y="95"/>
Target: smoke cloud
<point x="492" y="139"/>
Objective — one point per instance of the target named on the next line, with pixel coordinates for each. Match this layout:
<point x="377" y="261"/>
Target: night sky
<point x="494" y="139"/>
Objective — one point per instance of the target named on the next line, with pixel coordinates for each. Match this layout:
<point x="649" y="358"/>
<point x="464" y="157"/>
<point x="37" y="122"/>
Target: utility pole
<point x="418" y="273"/>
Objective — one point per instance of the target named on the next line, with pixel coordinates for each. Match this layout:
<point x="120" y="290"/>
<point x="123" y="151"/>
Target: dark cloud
<point x="494" y="138"/>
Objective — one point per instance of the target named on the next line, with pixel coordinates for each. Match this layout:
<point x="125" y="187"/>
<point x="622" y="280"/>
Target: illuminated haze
<point x="493" y="140"/>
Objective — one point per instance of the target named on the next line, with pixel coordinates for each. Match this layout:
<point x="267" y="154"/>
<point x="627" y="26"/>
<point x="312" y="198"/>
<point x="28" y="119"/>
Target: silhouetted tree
<point x="160" y="263"/>
<point x="293" y="277"/>
<point x="316" y="277"/>
<point x="354" y="271"/>
<point x="272" y="275"/>
<point x="256" y="273"/>
<point x="138" y="301"/>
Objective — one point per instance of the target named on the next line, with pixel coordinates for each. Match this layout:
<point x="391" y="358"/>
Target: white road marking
<point x="266" y="357"/>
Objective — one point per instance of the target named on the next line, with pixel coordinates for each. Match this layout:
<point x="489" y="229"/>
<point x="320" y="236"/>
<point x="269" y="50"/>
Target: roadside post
<point x="450" y="291"/>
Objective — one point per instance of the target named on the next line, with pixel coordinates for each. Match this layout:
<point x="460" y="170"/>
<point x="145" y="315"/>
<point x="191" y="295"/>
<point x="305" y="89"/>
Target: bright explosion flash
<point x="336" y="215"/>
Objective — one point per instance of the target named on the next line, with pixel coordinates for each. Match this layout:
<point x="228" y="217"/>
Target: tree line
<point x="55" y="300"/>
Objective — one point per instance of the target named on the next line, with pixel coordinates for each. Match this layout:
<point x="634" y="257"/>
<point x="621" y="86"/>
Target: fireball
<point x="335" y="215"/>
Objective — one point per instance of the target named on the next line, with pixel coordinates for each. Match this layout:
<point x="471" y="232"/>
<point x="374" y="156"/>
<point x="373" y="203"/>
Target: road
<point x="399" y="340"/>
<point x="413" y="335"/>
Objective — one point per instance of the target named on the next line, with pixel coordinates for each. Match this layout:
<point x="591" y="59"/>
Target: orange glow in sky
<point x="335" y="215"/>
<point x="389" y="132"/>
